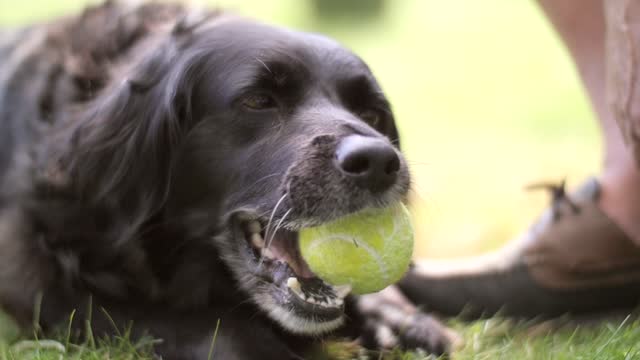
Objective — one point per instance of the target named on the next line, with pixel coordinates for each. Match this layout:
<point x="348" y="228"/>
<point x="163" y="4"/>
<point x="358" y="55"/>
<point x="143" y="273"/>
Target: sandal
<point x="574" y="259"/>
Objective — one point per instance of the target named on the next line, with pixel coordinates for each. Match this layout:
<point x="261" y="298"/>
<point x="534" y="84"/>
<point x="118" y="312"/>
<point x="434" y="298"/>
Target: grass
<point x="487" y="101"/>
<point x="493" y="339"/>
<point x="66" y="344"/>
<point x="103" y="349"/>
<point x="500" y="339"/>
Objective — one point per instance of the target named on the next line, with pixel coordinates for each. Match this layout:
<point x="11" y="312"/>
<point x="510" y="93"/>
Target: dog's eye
<point x="258" y="102"/>
<point x="371" y="117"/>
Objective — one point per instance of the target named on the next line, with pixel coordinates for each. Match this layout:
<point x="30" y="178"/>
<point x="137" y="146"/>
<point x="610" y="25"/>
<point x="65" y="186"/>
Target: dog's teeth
<point x="268" y="253"/>
<point x="254" y="227"/>
<point x="293" y="284"/>
<point x="326" y="301"/>
<point x="244" y="217"/>
<point x="342" y="290"/>
<point x="257" y="240"/>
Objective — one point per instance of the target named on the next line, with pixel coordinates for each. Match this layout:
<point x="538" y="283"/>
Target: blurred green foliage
<point x="485" y="95"/>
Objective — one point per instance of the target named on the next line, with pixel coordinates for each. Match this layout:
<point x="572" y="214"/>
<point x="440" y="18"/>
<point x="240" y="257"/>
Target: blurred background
<point x="485" y="95"/>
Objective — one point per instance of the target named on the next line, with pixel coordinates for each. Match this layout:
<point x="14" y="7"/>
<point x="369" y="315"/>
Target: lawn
<point x="487" y="102"/>
<point x="617" y="338"/>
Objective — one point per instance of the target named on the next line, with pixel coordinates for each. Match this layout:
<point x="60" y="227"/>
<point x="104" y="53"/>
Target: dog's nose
<point x="373" y="163"/>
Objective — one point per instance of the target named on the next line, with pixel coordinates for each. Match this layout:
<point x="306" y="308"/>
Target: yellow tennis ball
<point x="368" y="250"/>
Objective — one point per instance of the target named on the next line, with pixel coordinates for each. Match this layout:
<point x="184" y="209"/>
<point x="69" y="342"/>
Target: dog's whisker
<point x="273" y="214"/>
<point x="263" y="178"/>
<point x="273" y="235"/>
<point x="264" y="65"/>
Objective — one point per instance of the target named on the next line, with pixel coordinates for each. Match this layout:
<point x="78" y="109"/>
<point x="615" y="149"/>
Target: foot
<point x="573" y="260"/>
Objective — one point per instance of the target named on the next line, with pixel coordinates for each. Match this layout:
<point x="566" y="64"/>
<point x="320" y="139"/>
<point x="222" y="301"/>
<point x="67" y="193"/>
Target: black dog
<point x="156" y="162"/>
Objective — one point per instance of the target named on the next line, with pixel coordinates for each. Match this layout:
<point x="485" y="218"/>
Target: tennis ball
<point x="368" y="250"/>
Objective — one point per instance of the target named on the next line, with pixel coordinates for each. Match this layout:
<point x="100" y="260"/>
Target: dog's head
<point x="242" y="134"/>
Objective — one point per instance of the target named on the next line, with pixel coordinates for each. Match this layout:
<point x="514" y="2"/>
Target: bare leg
<point x="582" y="26"/>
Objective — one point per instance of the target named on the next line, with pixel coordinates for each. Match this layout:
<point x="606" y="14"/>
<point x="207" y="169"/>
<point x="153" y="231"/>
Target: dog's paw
<point x="391" y="321"/>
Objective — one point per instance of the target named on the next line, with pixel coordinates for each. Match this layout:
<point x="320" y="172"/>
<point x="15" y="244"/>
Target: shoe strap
<point x="588" y="191"/>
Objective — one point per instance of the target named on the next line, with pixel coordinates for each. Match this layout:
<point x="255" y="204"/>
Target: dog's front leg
<point x="387" y="319"/>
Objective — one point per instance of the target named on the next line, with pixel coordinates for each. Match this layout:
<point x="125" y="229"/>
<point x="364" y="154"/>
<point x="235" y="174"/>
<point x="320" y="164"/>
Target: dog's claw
<point x="392" y="321"/>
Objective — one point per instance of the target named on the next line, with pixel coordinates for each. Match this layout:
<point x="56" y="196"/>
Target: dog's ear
<point x="121" y="150"/>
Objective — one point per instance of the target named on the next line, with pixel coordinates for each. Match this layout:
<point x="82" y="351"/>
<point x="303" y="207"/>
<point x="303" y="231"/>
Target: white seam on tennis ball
<point x="384" y="236"/>
<point x="394" y="232"/>
<point x="383" y="267"/>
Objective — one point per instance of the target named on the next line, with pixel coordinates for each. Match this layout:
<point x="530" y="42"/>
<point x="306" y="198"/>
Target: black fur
<point x="128" y="153"/>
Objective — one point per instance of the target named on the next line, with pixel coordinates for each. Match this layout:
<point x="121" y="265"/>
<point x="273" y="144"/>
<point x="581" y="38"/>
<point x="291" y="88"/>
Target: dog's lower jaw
<point x="293" y="323"/>
<point x="286" y="317"/>
<point x="291" y="299"/>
